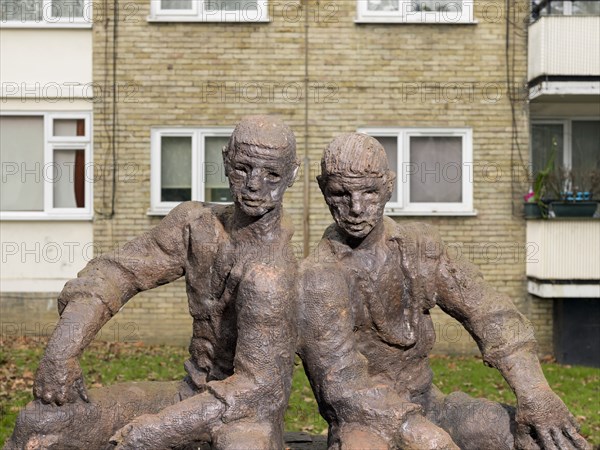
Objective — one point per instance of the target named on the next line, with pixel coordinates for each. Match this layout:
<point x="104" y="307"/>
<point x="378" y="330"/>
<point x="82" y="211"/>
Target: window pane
<point x="542" y="137"/>
<point x="69" y="127"/>
<point x="176" y="168"/>
<point x="21" y="10"/>
<point x="450" y="6"/>
<point x="67" y="9"/>
<point x="436" y="169"/>
<point x="68" y="173"/>
<point x="586" y="8"/>
<point x="231" y="5"/>
<point x="390" y="144"/>
<point x="22" y="158"/>
<point x="216" y="186"/>
<point x="382" y="5"/>
<point x="176" y="4"/>
<point x="585" y="152"/>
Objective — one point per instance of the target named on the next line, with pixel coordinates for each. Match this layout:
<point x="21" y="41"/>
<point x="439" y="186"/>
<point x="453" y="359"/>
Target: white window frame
<point x="406" y="14"/>
<point x="403" y="205"/>
<point x="567" y="124"/>
<point x="52" y="143"/>
<point x="48" y="21"/>
<point x="199" y="13"/>
<point x="198" y="135"/>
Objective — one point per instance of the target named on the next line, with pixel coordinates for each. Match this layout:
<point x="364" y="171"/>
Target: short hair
<point x="262" y="131"/>
<point x="354" y="155"/>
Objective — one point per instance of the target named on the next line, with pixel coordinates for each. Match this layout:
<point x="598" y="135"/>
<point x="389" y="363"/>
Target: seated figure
<point x="244" y="320"/>
<point x="366" y="330"/>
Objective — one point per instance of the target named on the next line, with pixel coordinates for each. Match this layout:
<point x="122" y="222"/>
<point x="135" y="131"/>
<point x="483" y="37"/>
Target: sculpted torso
<point x="219" y="258"/>
<point x="391" y="322"/>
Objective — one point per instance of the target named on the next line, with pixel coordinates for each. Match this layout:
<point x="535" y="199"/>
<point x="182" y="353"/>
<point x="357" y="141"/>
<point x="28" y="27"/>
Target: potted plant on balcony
<point x="575" y="192"/>
<point x="535" y="206"/>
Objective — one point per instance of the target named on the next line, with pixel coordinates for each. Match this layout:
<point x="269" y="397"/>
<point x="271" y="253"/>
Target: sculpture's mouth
<point x="253" y="202"/>
<point x="355" y="225"/>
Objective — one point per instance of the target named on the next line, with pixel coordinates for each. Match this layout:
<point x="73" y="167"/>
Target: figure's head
<point x="260" y="161"/>
<point x="356" y="182"/>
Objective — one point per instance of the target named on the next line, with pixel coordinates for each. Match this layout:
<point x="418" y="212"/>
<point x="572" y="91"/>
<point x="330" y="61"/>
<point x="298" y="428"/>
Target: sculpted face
<point x="258" y="178"/>
<point x="356" y="203"/>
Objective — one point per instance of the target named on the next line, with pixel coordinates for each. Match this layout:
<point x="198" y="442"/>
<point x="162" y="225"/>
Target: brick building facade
<point x="167" y="79"/>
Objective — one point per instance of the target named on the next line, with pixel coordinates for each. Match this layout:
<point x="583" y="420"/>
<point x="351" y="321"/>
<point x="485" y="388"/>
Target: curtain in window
<point x="68" y="175"/>
<point x="67" y="9"/>
<point x="231" y="5"/>
<point x="216" y="183"/>
<point x="585" y="152"/>
<point x="176" y="4"/>
<point x="176" y="168"/>
<point x="436" y="167"/>
<point x="22" y="159"/>
<point x="542" y="137"/>
<point x="21" y="10"/>
<point x="439" y="5"/>
<point x="382" y="5"/>
<point x="390" y="144"/>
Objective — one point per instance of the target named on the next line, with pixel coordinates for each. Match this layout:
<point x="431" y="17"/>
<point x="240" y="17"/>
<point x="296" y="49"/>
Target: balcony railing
<point x="541" y="8"/>
<point x="562" y="258"/>
<point x="565" y="46"/>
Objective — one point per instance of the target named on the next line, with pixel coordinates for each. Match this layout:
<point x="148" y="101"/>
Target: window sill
<point x="412" y="21"/>
<point x="45" y="25"/>
<point x="400" y="212"/>
<point x="157" y="212"/>
<point x="14" y="217"/>
<point x="189" y="19"/>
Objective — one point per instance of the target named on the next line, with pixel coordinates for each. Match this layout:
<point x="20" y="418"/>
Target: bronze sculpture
<point x="365" y="329"/>
<point x="244" y="327"/>
<point x="366" y="332"/>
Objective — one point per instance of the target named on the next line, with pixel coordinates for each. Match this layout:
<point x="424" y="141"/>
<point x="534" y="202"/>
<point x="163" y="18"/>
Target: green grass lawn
<point x="108" y="363"/>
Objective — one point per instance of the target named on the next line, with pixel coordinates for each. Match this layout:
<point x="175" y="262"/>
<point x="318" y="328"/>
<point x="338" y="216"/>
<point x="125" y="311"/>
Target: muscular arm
<point x="259" y="389"/>
<point x="100" y="290"/>
<point x="506" y="340"/>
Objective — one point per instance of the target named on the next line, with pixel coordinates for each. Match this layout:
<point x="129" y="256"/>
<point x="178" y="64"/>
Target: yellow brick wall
<point x="359" y="75"/>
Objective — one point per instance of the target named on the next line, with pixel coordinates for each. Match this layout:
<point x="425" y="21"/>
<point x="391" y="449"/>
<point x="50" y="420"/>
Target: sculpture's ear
<point x="322" y="180"/>
<point x="225" y="160"/>
<point x="294" y="173"/>
<point x="390" y="180"/>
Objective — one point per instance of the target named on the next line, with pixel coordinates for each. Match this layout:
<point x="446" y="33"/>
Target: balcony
<point x="563" y="258"/>
<point x="564" y="46"/>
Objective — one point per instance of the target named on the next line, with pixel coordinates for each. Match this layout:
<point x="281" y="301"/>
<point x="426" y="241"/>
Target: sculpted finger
<point x="47" y="397"/>
<point x="578" y="441"/>
<point x="560" y="440"/>
<point x="524" y="440"/>
<point x="574" y="423"/>
<point x="546" y="440"/>
<point x="81" y="389"/>
<point x="61" y="398"/>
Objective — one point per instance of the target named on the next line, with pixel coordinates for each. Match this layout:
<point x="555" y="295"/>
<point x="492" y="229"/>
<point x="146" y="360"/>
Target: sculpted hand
<point x="418" y="433"/>
<point x="142" y="432"/>
<point x="544" y="422"/>
<point x="59" y="381"/>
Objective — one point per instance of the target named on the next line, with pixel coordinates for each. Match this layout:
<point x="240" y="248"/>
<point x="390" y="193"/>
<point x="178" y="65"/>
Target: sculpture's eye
<point x="273" y="177"/>
<point x="240" y="170"/>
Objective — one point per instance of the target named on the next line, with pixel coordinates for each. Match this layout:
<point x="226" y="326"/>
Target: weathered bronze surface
<point x="240" y="274"/>
<point x="363" y="301"/>
<point x="366" y="330"/>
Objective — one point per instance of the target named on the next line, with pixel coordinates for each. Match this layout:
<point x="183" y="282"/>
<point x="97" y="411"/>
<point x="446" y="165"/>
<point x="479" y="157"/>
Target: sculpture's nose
<point x="253" y="181"/>
<point x="355" y="204"/>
